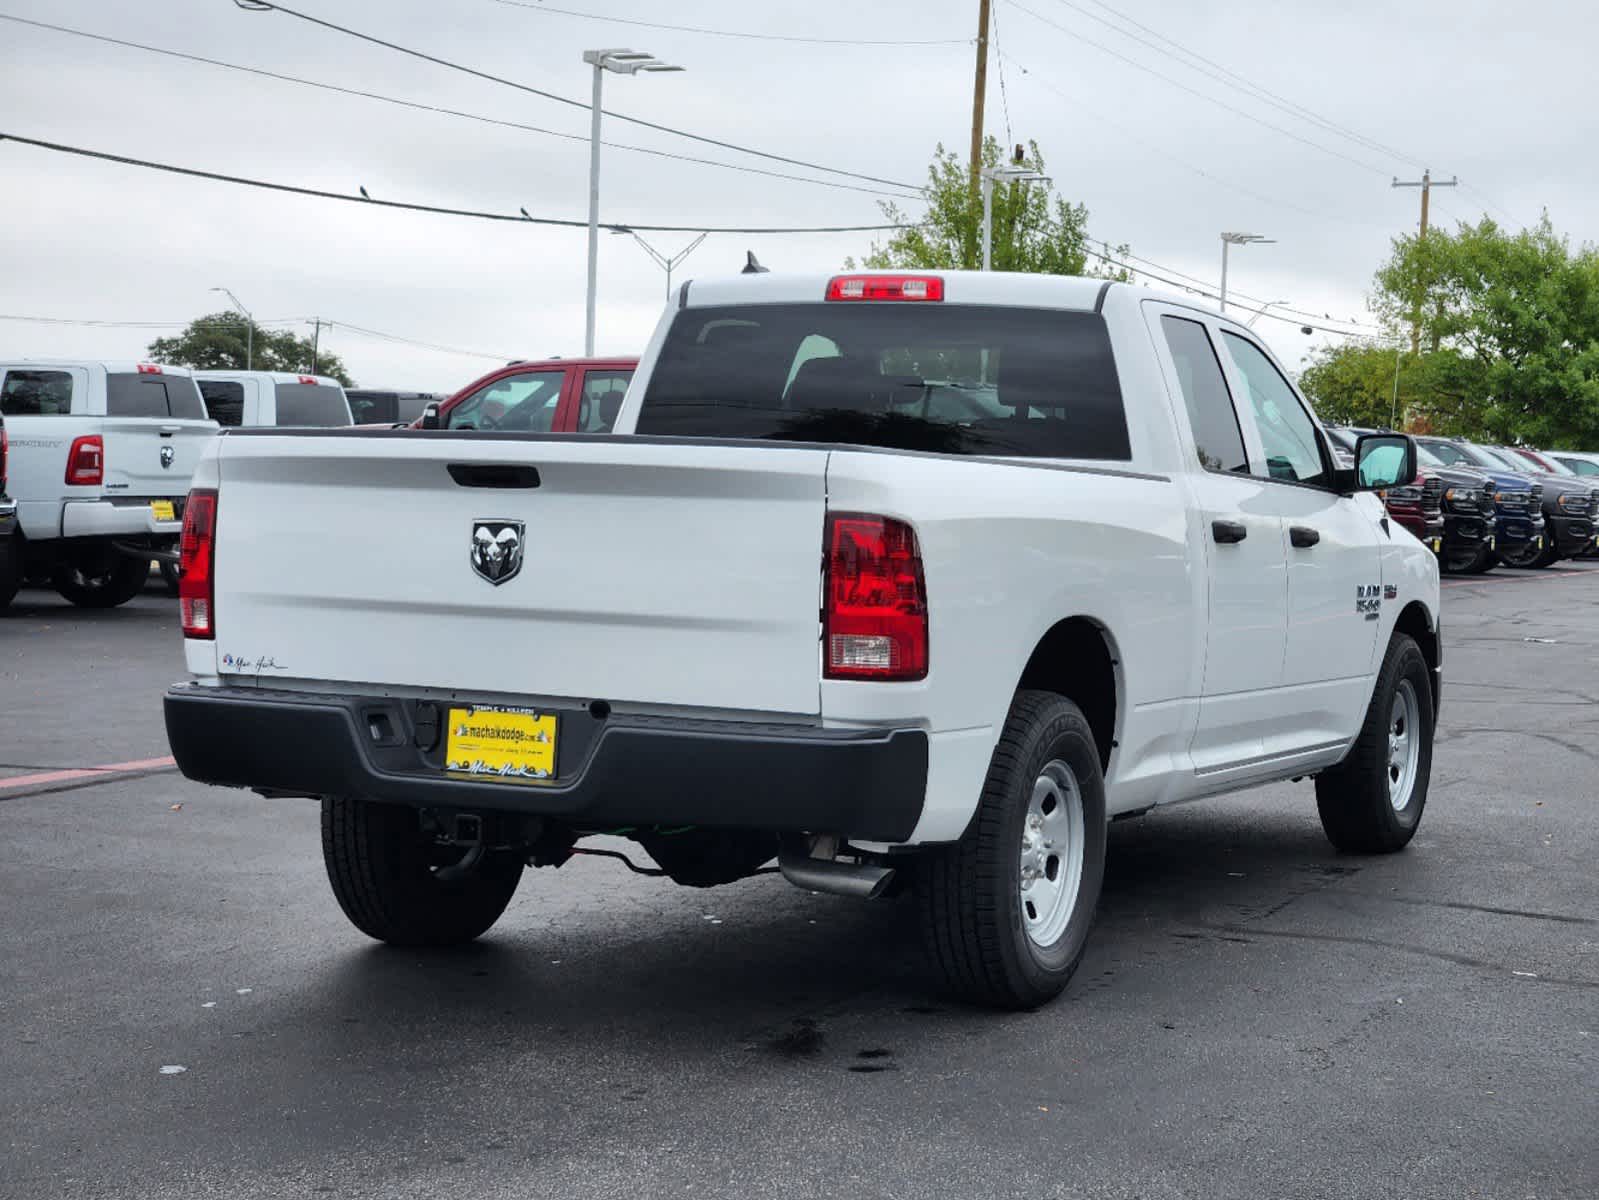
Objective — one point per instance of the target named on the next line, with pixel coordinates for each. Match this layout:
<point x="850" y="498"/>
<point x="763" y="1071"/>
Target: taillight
<point x="308" y="379"/>
<point x="86" y="461"/>
<point x="874" y="619"/>
<point x="197" y="564"/>
<point x="149" y="369"/>
<point x="885" y="287"/>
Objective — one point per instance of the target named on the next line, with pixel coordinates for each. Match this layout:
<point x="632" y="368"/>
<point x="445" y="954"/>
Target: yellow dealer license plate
<point x="162" y="510"/>
<point x="500" y="743"/>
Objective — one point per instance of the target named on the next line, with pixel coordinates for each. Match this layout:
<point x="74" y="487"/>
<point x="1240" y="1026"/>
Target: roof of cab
<point x="960" y="287"/>
<point x="274" y="376"/>
<point x="111" y="366"/>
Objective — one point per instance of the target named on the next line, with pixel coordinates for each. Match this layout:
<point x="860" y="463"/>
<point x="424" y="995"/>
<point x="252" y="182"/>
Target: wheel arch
<point x="1078" y="658"/>
<point x="1417" y="623"/>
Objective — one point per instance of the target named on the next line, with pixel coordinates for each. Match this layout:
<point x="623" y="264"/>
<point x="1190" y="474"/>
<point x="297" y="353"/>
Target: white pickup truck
<point x="907" y="581"/>
<point x="101" y="454"/>
<point x="277" y="398"/>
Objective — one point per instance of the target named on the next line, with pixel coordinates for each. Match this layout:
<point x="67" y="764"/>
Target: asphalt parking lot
<point x="1256" y="1016"/>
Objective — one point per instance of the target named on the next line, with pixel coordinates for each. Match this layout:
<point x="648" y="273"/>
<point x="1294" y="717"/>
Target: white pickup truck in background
<point x="100" y="459"/>
<point x="273" y="398"/>
<point x="907" y="581"/>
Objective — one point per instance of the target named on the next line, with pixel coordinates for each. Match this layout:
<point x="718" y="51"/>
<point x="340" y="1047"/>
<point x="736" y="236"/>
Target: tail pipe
<point x="864" y="881"/>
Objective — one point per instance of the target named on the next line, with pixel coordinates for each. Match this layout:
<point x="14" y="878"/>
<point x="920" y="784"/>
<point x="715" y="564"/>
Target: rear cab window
<point x="958" y="379"/>
<point x="33" y="393"/>
<point x="315" y="404"/>
<point x="130" y="394"/>
<point x="224" y="401"/>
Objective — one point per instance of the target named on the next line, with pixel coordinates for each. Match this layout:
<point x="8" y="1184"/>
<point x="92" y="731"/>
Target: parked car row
<point x="1477" y="506"/>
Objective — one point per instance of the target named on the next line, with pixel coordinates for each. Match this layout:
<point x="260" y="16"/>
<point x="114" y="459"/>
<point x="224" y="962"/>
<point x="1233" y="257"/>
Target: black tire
<point x="383" y="871"/>
<point x="1353" y="798"/>
<point x="969" y="893"/>
<point x="103" y="580"/>
<point x="1523" y="557"/>
<point x="10" y="570"/>
<point x="1483" y="563"/>
<point x="1474" y="562"/>
<point x="170" y="573"/>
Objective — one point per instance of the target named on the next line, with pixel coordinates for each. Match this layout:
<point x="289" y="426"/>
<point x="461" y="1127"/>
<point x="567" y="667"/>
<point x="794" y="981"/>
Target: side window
<point x="1210" y="407"/>
<point x="1293" y="453"/>
<point x="36" y="394"/>
<point x="224" y="401"/>
<point x="601" y="400"/>
<point x="523" y="403"/>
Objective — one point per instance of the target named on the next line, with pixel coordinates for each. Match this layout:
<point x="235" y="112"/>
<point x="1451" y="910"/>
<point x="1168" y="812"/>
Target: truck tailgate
<point x="651" y="573"/>
<point x="153" y="456"/>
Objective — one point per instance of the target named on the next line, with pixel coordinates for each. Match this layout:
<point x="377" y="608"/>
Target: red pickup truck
<point x="573" y="395"/>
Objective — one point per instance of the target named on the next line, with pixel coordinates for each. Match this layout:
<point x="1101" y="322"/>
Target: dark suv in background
<point x="1518" y="499"/>
<point x="10" y="542"/>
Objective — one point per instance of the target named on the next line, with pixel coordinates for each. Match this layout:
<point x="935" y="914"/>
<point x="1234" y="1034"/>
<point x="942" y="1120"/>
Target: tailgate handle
<point x="494" y="475"/>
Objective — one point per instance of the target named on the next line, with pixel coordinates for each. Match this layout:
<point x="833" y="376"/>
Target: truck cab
<point x="279" y="399"/>
<point x="573" y="395"/>
<point x="100" y="458"/>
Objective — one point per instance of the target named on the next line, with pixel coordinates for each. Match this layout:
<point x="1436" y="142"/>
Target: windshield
<point x="960" y="379"/>
<point x="311" y="404"/>
<point x="1550" y="466"/>
<point x="1427" y="458"/>
<point x="1502" y="460"/>
<point x="1579" y="466"/>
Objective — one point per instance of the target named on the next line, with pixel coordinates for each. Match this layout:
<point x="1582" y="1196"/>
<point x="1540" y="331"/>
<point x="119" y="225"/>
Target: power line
<point x="427" y="208"/>
<point x="999" y="62"/>
<point x="433" y="108"/>
<point x="1229" y="78"/>
<point x="219" y="324"/>
<point x="728" y="33"/>
<point x="264" y="5"/>
<point x="394" y="337"/>
<point x="1247" y="115"/>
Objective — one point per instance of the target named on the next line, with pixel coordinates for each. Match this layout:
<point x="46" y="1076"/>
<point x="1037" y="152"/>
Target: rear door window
<point x="601" y="400"/>
<point x="311" y="404"/>
<point x="36" y="394"/>
<point x="144" y="395"/>
<point x="224" y="401"/>
<point x="1217" y="437"/>
<point x="960" y="379"/>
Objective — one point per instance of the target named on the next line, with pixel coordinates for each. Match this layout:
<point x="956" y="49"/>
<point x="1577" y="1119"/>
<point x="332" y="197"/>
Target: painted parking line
<point x="102" y="772"/>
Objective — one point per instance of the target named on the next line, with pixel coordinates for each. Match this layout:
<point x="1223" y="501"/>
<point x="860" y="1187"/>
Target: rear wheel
<point x="101" y="578"/>
<point x="1006" y="911"/>
<point x="399" y="885"/>
<point x="1371" y="803"/>
<point x="10" y="569"/>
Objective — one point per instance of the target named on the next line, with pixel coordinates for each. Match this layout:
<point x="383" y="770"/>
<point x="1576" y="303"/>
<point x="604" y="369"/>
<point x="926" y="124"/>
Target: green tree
<point x="1515" y="317"/>
<point x="1035" y="230"/>
<point x="1368" y="385"/>
<point x="218" y="341"/>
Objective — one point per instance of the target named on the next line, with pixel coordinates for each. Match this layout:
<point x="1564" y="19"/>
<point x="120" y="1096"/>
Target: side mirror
<point x="1382" y="460"/>
<point x="430" y="416"/>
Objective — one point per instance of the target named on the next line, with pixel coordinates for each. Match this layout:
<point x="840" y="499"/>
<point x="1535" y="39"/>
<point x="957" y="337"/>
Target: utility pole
<point x="979" y="91"/>
<point x="1426" y="183"/>
<point x="1229" y="240"/>
<point x="316" y="341"/>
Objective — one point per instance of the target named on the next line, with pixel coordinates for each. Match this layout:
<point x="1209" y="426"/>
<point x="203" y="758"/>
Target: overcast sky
<point x="1498" y="95"/>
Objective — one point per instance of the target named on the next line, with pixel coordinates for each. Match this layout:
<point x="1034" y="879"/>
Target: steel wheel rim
<point x="1404" y="745"/>
<point x="1051" y="854"/>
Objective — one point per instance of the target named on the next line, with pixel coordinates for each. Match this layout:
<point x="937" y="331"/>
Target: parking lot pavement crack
<point x="1491" y="910"/>
<point x="1351" y="939"/>
<point x="1575" y="747"/>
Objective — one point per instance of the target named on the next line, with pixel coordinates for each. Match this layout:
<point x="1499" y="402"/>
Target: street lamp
<point x="1015" y="173"/>
<point x="249" y="328"/>
<point x="1261" y="312"/>
<point x="622" y="62"/>
<point x="1228" y="240"/>
<point x="667" y="262"/>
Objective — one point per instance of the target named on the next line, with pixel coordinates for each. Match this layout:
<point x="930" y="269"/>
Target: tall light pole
<point x="1229" y="240"/>
<point x="667" y="262"/>
<point x="249" y="328"/>
<point x="1014" y="173"/>
<point x="622" y="62"/>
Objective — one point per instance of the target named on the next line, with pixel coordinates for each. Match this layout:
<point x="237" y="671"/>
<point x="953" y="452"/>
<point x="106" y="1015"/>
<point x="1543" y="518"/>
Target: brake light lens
<point x="86" y="461"/>
<point x="197" y="564"/>
<point x="874" y="619"/>
<point x="149" y="369"/>
<point x="309" y="379"/>
<point x="885" y="287"/>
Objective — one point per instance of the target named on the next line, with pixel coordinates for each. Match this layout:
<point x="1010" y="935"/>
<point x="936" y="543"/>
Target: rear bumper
<point x="122" y="518"/>
<point x="867" y="784"/>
